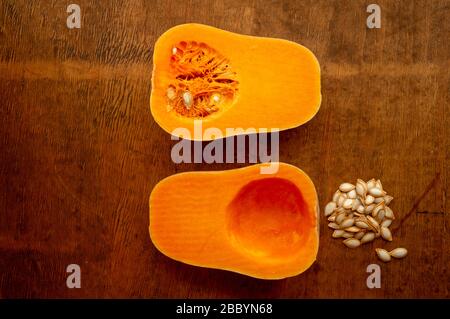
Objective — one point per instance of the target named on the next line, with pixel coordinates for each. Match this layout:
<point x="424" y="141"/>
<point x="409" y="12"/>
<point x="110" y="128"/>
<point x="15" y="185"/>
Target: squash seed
<point x="369" y="208"/>
<point x="369" y="199"/>
<point x="378" y="200"/>
<point x="361" y="224"/>
<point x="187" y="99"/>
<point x="171" y="94"/>
<point x="361" y="188"/>
<point x="376" y="192"/>
<point x="353" y="229"/>
<point x="334" y="226"/>
<point x="348" y="203"/>
<point x="380" y="215"/>
<point x="336" y="196"/>
<point x="377" y="208"/>
<point x="352" y="242"/>
<point x="378" y="184"/>
<point x="347" y="223"/>
<point x="347" y="235"/>
<point x="329" y="208"/>
<point x="386" y="223"/>
<point x="340" y="218"/>
<point x="368" y="237"/>
<point x="352" y="194"/>
<point x="398" y="252"/>
<point x="371" y="183"/>
<point x="389" y="213"/>
<point x="386" y="233"/>
<point x="383" y="254"/>
<point x="359" y="235"/>
<point x="338" y="233"/>
<point x="346" y="187"/>
<point x="341" y="200"/>
<point x="332" y="218"/>
<point x="360" y="209"/>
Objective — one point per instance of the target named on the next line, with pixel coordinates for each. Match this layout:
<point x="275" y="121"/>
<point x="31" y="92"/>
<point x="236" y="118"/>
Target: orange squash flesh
<point x="264" y="226"/>
<point x="230" y="80"/>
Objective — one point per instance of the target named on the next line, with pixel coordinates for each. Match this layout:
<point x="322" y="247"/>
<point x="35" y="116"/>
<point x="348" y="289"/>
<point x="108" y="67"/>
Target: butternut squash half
<point x="264" y="226"/>
<point x="229" y="80"/>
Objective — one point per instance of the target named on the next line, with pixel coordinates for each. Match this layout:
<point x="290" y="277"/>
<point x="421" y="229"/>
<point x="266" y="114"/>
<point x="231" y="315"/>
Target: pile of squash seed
<point x="360" y="213"/>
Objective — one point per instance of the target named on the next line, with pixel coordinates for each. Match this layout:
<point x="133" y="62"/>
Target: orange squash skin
<point x="278" y="81"/>
<point x="263" y="226"/>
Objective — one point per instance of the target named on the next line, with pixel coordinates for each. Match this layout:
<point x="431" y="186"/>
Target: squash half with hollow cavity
<point x="229" y="80"/>
<point x="264" y="226"/>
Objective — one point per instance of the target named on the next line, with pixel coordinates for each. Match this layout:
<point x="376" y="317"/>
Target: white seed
<point x="329" y="208"/>
<point x="398" y="252"/>
<point x="171" y="94"/>
<point x="332" y="218"/>
<point x="359" y="235"/>
<point x="174" y="50"/>
<point x="361" y="188"/>
<point x="352" y="194"/>
<point x="348" y="203"/>
<point x="361" y="224"/>
<point x="377" y="209"/>
<point x="368" y="237"/>
<point x="360" y="209"/>
<point x="353" y="229"/>
<point x="376" y="192"/>
<point x="383" y="254"/>
<point x="378" y="184"/>
<point x="347" y="223"/>
<point x="371" y="183"/>
<point x="386" y="233"/>
<point x="340" y="218"/>
<point x="378" y="200"/>
<point x="334" y="226"/>
<point x="341" y="200"/>
<point x="187" y="99"/>
<point x="381" y="215"/>
<point x="347" y="235"/>
<point x="356" y="204"/>
<point x="369" y="200"/>
<point x="215" y="98"/>
<point x="369" y="208"/>
<point x="336" y="196"/>
<point x="374" y="214"/>
<point x="388" y="199"/>
<point x="346" y="187"/>
<point x="389" y="213"/>
<point x="386" y="223"/>
<point x="338" y="233"/>
<point x="352" y="242"/>
<point x="373" y="223"/>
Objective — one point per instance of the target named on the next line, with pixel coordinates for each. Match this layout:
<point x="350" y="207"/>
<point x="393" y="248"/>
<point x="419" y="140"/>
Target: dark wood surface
<point x="80" y="152"/>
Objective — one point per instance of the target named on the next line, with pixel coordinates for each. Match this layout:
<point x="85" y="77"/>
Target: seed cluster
<point x="203" y="80"/>
<point x="360" y="213"/>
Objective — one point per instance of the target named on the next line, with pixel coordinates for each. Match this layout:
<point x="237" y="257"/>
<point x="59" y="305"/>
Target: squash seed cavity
<point x="203" y="80"/>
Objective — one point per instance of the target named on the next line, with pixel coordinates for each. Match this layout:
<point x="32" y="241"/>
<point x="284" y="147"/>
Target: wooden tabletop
<point x="80" y="151"/>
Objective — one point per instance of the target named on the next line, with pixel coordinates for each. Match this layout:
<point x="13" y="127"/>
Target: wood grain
<point x="80" y="152"/>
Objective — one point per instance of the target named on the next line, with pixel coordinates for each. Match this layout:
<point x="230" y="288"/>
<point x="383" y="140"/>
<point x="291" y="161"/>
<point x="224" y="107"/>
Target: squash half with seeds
<point x="229" y="80"/>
